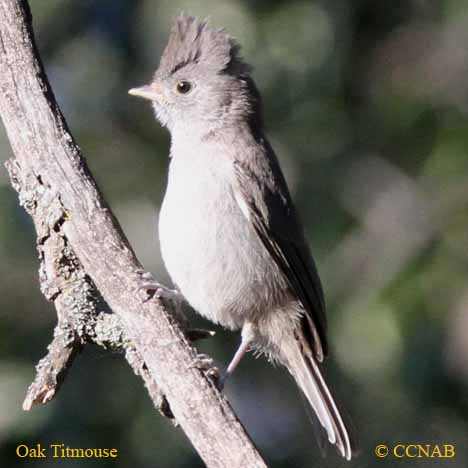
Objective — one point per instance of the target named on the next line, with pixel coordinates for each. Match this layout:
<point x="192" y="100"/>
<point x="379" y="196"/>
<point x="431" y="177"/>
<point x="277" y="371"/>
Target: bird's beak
<point x="151" y="92"/>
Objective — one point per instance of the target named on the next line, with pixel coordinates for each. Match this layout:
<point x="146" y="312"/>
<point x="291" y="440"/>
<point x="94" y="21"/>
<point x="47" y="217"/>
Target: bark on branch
<point x="88" y="268"/>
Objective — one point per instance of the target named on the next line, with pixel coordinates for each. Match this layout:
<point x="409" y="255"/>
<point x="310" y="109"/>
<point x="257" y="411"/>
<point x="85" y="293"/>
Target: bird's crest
<point x="193" y="41"/>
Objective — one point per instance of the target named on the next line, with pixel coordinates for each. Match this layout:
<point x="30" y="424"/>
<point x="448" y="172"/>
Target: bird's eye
<point x="184" y="87"/>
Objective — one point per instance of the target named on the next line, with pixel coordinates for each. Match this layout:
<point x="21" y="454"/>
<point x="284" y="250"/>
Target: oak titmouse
<point x="230" y="236"/>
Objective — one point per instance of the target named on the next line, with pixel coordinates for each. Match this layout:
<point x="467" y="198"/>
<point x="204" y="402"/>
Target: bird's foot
<point x="205" y="363"/>
<point x="149" y="284"/>
<point x="154" y="289"/>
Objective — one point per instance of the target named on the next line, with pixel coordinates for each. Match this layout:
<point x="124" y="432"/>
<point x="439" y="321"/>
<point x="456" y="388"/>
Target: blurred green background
<point x="366" y="103"/>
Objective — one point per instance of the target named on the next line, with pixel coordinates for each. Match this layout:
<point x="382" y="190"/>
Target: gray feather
<point x="192" y="41"/>
<point x="304" y="368"/>
<point x="272" y="214"/>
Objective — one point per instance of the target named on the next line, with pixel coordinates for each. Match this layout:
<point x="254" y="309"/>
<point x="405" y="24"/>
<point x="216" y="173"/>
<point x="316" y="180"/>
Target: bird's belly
<point x="213" y="254"/>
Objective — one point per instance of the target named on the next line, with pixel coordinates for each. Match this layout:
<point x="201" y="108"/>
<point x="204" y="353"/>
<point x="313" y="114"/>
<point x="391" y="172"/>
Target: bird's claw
<point x="205" y="363"/>
<point x="149" y="284"/>
<point x="194" y="334"/>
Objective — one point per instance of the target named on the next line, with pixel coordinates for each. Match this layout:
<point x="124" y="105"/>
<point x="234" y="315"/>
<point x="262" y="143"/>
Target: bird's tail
<point x="305" y="370"/>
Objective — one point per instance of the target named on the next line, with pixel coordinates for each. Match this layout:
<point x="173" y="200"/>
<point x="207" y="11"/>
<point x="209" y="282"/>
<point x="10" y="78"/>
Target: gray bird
<point x="230" y="236"/>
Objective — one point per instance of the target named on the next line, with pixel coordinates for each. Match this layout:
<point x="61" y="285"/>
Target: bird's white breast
<point x="210" y="250"/>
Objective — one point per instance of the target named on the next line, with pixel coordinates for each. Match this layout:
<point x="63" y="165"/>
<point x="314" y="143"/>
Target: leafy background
<point x="366" y="104"/>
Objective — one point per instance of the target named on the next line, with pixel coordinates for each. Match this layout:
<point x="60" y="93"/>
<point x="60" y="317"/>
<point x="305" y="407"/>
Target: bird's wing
<point x="263" y="197"/>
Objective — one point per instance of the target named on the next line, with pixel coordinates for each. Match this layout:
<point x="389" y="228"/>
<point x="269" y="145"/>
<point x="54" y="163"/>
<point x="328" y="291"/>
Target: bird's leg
<point x="247" y="337"/>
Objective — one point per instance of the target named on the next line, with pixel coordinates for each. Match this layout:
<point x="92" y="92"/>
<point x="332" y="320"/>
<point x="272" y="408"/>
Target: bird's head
<point x="201" y="83"/>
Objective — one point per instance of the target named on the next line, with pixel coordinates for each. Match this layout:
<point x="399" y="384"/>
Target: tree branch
<point x="88" y="265"/>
